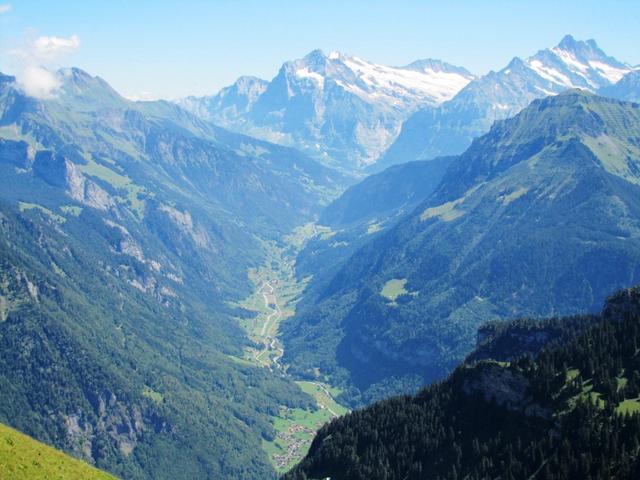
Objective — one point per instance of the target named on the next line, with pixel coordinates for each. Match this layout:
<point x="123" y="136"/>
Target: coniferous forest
<point x="571" y="411"/>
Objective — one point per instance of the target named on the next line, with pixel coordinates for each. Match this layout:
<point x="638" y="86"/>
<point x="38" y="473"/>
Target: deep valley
<point x="351" y="270"/>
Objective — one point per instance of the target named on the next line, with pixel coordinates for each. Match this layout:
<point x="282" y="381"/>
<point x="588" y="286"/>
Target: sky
<point x="171" y="49"/>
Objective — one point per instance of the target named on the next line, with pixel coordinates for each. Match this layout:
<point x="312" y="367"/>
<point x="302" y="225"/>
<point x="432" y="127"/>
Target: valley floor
<point x="276" y="292"/>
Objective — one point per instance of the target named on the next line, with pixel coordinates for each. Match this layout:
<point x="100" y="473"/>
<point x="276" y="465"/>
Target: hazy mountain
<point x="399" y="187"/>
<point x="565" y="414"/>
<point x="364" y="211"/>
<point x="339" y="108"/>
<point x="627" y="88"/>
<point x="538" y="217"/>
<point x="449" y="129"/>
<point x="230" y="103"/>
<point x="126" y="233"/>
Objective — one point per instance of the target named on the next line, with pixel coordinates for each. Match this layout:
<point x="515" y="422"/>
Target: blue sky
<point x="171" y="49"/>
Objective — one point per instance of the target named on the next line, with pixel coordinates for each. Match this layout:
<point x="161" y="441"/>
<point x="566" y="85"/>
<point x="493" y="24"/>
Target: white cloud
<point x="4" y="8"/>
<point x="38" y="82"/>
<point x="36" y="60"/>
<point x="51" y="47"/>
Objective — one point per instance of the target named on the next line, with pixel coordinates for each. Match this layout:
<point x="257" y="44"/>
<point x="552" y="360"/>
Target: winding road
<point x="270" y="342"/>
<point x="295" y="435"/>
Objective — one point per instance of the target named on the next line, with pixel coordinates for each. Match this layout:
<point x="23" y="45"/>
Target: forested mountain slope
<point x="538" y="217"/>
<point x="571" y="412"/>
<point x="364" y="211"/>
<point x="126" y="233"/>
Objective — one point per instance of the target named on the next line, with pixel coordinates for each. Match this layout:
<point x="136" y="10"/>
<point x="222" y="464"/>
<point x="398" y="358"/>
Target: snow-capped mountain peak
<point x="424" y="82"/>
<point x="450" y="128"/>
<point x="425" y="85"/>
<point x="574" y="63"/>
<point x="339" y="107"/>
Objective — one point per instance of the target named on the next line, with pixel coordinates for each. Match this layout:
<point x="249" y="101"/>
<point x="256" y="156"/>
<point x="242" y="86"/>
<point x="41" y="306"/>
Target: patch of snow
<point x="548" y="73"/>
<point x="545" y="91"/>
<point x="395" y="84"/>
<point x="306" y="73"/>
<point x="609" y="72"/>
<point x="570" y="60"/>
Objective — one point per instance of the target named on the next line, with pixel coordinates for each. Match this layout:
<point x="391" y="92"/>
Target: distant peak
<point x="515" y="65"/>
<point x="249" y="79"/>
<point x="437" y="66"/>
<point x="576" y="92"/>
<point x="515" y="62"/>
<point x="74" y="72"/>
<point x="580" y="48"/>
<point x="567" y="42"/>
<point x="592" y="43"/>
<point x="316" y="61"/>
<point x="433" y="62"/>
<point x="315" y="54"/>
<point x="318" y="56"/>
<point x="78" y="82"/>
<point x="570" y="51"/>
<point x="7" y="78"/>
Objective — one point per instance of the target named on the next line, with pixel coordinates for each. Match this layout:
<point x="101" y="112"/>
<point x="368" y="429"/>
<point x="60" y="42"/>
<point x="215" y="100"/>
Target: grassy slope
<point x="22" y="457"/>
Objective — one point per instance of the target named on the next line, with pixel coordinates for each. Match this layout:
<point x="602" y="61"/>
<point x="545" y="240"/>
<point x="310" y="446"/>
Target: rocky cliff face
<point x="507" y="388"/>
<point x="125" y="424"/>
<point x="58" y="171"/>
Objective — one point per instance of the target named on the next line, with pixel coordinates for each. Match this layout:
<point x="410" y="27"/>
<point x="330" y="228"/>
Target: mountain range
<point x="339" y="108"/>
<point x="354" y="114"/>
